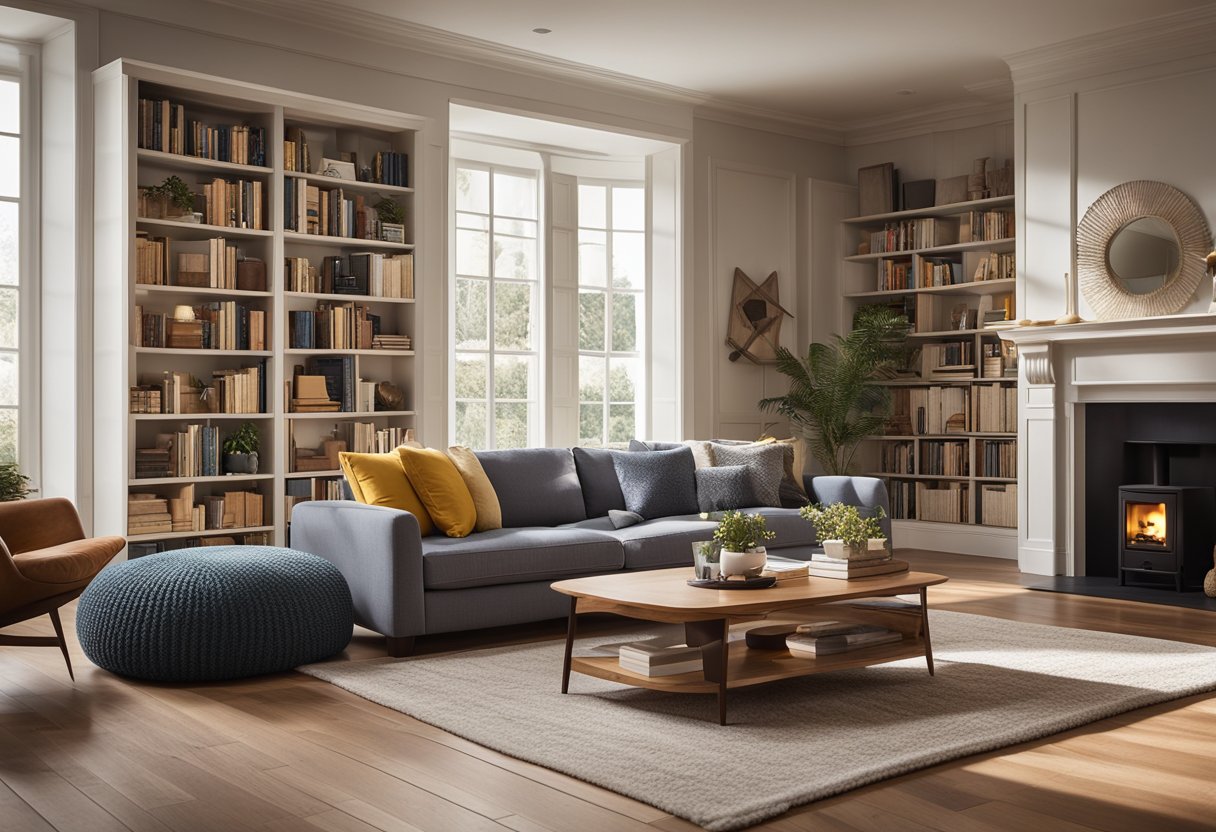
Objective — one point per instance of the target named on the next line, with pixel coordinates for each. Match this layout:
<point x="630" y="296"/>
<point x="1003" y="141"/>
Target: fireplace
<point x="1167" y="530"/>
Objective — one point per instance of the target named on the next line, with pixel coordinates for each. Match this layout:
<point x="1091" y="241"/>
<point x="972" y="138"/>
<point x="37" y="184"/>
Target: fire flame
<point x="1146" y="524"/>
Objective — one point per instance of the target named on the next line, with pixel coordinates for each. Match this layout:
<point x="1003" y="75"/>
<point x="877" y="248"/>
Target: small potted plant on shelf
<point x="844" y="533"/>
<point x="14" y="485"/>
<point x="241" y="450"/>
<point x="742" y="536"/>
<point x="171" y="199"/>
<point x="391" y="215"/>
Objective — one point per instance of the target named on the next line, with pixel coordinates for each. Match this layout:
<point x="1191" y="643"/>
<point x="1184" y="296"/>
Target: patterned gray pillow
<point x="623" y="519"/>
<point x="657" y="483"/>
<point x="765" y="463"/>
<point x="725" y="487"/>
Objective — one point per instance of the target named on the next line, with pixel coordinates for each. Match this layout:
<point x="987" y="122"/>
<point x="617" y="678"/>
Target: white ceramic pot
<point x="749" y="563"/>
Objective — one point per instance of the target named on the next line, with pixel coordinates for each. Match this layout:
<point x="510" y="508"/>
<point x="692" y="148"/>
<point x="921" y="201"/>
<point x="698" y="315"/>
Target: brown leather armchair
<point x="45" y="562"/>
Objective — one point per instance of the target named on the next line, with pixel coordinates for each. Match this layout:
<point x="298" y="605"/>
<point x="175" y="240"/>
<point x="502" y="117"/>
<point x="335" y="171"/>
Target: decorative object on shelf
<point x="834" y="400"/>
<point x="844" y="533"/>
<point x="389" y="396"/>
<point x="251" y="274"/>
<point x="741" y="536"/>
<point x="183" y="313"/>
<point x="753" y="326"/>
<point x="14" y="485"/>
<point x="877" y="186"/>
<point x="241" y="450"/>
<point x="171" y="199"/>
<point x="1209" y="580"/>
<point x="706" y="556"/>
<point x="919" y="194"/>
<point x="1070" y="315"/>
<point x="1210" y="263"/>
<point x="391" y="215"/>
<point x="1140" y="250"/>
<point x="952" y="189"/>
<point x="337" y="169"/>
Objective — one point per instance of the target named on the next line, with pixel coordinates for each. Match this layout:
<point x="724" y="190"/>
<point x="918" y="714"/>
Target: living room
<point x="580" y="248"/>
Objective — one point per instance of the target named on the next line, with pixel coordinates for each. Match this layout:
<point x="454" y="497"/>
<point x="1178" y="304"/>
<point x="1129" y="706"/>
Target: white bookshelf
<point x="122" y="167"/>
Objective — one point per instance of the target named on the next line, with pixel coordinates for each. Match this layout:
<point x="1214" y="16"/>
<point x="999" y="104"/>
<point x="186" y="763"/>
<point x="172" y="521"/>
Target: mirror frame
<point x="1109" y="214"/>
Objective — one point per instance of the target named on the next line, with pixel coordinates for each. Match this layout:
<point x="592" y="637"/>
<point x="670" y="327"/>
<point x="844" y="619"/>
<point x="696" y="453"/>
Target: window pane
<point x="473" y="190"/>
<point x="591" y="424"/>
<point x="471" y="424"/>
<point x="592" y="258"/>
<point x="515" y="228"/>
<point x="629" y="209"/>
<point x="591" y="320"/>
<point x="624" y="322"/>
<point x="590" y="378"/>
<point x="10" y="107"/>
<point x="622" y="422"/>
<point x="628" y="260"/>
<point x="472" y="252"/>
<point x="515" y="258"/>
<point x="471" y="377"/>
<point x="513" y="316"/>
<point x="515" y="196"/>
<point x="8" y="244"/>
<point x="624" y="380"/>
<point x="591" y="202"/>
<point x="8" y="379"/>
<point x="8" y="318"/>
<point x="511" y="424"/>
<point x="472" y="314"/>
<point x="10" y="166"/>
<point x="512" y="377"/>
<point x="475" y="221"/>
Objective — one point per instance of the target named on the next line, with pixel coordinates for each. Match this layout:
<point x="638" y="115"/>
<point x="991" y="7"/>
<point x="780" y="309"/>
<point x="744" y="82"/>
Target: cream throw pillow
<point x="485" y="499"/>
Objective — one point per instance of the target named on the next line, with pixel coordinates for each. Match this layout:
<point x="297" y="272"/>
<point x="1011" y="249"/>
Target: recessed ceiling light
<point x="905" y="92"/>
<point x="541" y="30"/>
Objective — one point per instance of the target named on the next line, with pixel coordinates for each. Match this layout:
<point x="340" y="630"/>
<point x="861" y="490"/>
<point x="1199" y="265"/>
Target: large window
<point x="611" y="286"/>
<point x="497" y="298"/>
<point x="10" y="263"/>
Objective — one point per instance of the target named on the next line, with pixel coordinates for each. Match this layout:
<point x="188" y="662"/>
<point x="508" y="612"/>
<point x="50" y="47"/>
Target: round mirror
<point x="1144" y="255"/>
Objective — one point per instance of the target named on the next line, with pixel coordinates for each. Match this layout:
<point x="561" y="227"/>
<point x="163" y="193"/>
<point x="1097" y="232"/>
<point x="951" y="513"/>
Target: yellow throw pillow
<point x="485" y="499"/>
<point x="379" y="480"/>
<point x="441" y="489"/>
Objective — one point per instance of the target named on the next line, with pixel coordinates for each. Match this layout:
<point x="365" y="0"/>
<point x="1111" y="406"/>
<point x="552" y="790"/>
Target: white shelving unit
<point x="122" y="167"/>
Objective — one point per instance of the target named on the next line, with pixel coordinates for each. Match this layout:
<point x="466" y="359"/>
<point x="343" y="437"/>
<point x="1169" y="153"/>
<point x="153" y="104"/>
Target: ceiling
<point x="839" y="63"/>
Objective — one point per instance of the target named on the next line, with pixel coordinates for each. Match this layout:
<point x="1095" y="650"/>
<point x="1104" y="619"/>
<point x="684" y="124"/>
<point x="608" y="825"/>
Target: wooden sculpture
<point x="753" y="329"/>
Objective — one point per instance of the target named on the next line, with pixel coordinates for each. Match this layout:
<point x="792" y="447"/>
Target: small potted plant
<point x="742" y="536"/>
<point x="14" y="485"/>
<point x="241" y="450"/>
<point x="844" y="533"/>
<point x="706" y="555"/>
<point x="391" y="215"/>
<point x="170" y="199"/>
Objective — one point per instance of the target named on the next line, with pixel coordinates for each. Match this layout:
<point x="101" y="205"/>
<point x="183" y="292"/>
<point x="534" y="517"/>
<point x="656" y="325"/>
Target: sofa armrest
<point x="379" y="552"/>
<point x="867" y="493"/>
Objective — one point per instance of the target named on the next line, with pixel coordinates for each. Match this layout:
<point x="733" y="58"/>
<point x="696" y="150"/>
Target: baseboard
<point x="956" y="538"/>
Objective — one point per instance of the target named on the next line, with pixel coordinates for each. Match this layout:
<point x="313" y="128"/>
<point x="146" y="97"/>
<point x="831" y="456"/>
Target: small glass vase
<point x="706" y="555"/>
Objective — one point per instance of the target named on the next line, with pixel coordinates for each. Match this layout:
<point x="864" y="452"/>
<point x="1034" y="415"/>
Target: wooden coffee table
<point x="707" y="614"/>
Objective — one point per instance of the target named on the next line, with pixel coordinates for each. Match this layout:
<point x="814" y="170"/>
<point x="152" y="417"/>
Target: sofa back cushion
<point x="765" y="463"/>
<point x="597" y="476"/>
<point x="535" y="486"/>
<point x="658" y="483"/>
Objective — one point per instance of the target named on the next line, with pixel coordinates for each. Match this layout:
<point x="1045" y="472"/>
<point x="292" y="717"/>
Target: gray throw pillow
<point x="725" y="487"/>
<point x="765" y="463"/>
<point x="657" y="483"/>
<point x="622" y="519"/>
<point x="597" y="476"/>
<point x="649" y="445"/>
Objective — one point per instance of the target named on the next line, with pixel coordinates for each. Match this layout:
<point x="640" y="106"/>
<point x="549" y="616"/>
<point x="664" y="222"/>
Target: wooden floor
<point x="289" y="752"/>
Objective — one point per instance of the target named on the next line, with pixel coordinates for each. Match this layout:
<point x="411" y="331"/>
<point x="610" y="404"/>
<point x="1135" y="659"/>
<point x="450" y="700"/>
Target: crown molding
<point x="1155" y="41"/>
<point x="950" y="115"/>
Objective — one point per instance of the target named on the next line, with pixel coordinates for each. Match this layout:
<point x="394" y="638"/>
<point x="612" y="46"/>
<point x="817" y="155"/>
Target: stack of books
<point x="823" y="638"/>
<point x="148" y="514"/>
<point x="882" y="563"/>
<point x="312" y="396"/>
<point x="391" y="342"/>
<point x="658" y="658"/>
<point x="786" y="569"/>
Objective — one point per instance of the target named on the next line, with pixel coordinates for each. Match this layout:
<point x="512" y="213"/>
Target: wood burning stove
<point x="1167" y="530"/>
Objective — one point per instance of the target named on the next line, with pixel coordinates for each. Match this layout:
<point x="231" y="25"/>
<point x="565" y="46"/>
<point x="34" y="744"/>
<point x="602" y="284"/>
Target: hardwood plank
<point x="18" y="815"/>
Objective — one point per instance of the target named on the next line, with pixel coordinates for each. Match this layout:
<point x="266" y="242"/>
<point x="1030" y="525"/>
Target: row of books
<point x="207" y="264"/>
<point x="995" y="407"/>
<point x="902" y="496"/>
<point x="985" y="225"/>
<point x="999" y="504"/>
<point x="312" y="209"/>
<point x="942" y="502"/>
<point x="163" y="126"/>
<point x="152" y="547"/>
<point x="303" y="489"/>
<point x="370" y="274"/>
<point x="193" y="451"/>
<point x="998" y="458"/>
<point x="238" y="390"/>
<point x="391" y="168"/>
<point x="341" y="385"/>
<point x="907" y="235"/>
<point x="296" y="155"/>
<point x="149" y="513"/>
<point x="896" y="458"/>
<point x="932" y="410"/>
<point x="949" y="357"/>
<point x="823" y="638"/>
<point x="234" y="204"/>
<point x="996" y="266"/>
<point x="935" y="271"/>
<point x="220" y="325"/>
<point x="943" y="458"/>
<point x="338" y="326"/>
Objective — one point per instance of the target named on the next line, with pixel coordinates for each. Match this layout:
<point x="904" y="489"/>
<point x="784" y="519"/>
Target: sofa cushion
<point x="766" y="464"/>
<point x="658" y="483"/>
<point x="535" y="486"/>
<point x="868" y="492"/>
<point x="725" y="487"/>
<point x="380" y="480"/>
<point x="441" y="489"/>
<point x="665" y="542"/>
<point x="790" y="528"/>
<point x="506" y="556"/>
<point x="597" y="476"/>
<point x="636" y="445"/>
<point x="793" y="495"/>
<point x="485" y="501"/>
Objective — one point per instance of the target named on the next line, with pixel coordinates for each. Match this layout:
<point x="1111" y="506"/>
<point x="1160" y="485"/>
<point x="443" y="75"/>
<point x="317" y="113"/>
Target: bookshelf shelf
<point x="1003" y="244"/>
<point x="280" y="128"/>
<point x="936" y="211"/>
<point x="179" y="161"/>
<point x="975" y="287"/>
<point x="344" y="242"/>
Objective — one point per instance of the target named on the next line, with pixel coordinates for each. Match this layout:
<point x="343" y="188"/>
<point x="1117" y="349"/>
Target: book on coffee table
<point x="854" y="638"/>
<point x="656" y="658"/>
<point x="786" y="569"/>
<point x="845" y="569"/>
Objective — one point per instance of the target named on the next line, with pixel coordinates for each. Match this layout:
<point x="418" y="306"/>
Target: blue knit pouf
<point x="221" y="612"/>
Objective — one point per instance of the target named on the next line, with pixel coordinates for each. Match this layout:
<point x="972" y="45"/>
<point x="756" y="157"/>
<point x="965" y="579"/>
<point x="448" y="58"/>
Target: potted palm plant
<point x="742" y="536"/>
<point x="833" y="399"/>
<point x="241" y="450"/>
<point x="844" y="533"/>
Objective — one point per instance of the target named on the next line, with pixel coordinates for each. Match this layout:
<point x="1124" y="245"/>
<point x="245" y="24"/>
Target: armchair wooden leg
<point x="63" y="644"/>
<point x="400" y="646"/>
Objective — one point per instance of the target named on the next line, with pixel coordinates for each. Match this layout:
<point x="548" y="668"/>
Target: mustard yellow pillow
<point x="485" y="499"/>
<point x="379" y="480"/>
<point x="441" y="489"/>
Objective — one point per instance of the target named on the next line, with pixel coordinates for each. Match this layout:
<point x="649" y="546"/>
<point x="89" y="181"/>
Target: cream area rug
<point x="998" y="683"/>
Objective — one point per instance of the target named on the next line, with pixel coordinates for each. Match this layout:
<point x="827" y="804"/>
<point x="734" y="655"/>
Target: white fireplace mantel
<point x="1170" y="358"/>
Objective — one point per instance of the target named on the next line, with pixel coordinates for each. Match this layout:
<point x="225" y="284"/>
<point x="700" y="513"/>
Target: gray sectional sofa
<point x="555" y="526"/>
